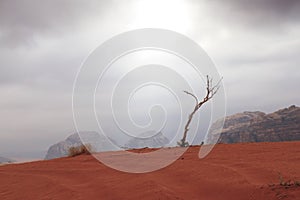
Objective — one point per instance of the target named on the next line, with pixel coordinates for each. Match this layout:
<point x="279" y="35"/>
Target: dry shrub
<point x="80" y="150"/>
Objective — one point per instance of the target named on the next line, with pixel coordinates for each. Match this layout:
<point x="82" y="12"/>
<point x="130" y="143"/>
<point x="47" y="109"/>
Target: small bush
<point x="288" y="183"/>
<point x="80" y="150"/>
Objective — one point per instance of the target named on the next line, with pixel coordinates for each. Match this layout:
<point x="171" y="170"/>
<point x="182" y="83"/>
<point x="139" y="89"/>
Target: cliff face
<point x="282" y="125"/>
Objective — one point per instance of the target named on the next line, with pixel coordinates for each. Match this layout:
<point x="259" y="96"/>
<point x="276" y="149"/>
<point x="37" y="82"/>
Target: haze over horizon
<point x="255" y="46"/>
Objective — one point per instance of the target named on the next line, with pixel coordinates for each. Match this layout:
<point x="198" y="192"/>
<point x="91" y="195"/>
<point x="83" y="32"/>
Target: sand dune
<point x="235" y="171"/>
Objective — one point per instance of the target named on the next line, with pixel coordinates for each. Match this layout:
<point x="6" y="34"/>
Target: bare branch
<point x="210" y="90"/>
<point x="196" y="99"/>
<point x="217" y="86"/>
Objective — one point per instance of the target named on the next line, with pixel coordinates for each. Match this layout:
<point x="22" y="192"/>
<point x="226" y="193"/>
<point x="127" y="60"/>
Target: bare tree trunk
<point x="186" y="128"/>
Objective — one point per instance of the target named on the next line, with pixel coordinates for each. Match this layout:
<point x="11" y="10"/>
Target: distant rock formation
<point x="100" y="143"/>
<point x="147" y="140"/>
<point x="282" y="125"/>
<point x="5" y="160"/>
<point x="97" y="142"/>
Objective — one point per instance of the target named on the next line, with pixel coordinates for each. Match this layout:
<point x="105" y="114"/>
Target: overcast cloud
<point x="254" y="44"/>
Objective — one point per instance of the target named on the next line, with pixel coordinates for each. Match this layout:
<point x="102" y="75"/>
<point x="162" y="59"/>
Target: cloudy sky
<point x="254" y="44"/>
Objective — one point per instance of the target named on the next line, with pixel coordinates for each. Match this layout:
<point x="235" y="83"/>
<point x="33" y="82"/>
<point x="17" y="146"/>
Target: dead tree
<point x="211" y="90"/>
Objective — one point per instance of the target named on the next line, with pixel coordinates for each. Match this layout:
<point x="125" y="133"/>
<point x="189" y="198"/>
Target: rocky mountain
<point x="97" y="142"/>
<point x="147" y="139"/>
<point x="100" y="143"/>
<point x="5" y="160"/>
<point x="282" y="125"/>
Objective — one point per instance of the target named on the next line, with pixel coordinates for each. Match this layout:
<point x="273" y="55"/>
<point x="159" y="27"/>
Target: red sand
<point x="235" y="172"/>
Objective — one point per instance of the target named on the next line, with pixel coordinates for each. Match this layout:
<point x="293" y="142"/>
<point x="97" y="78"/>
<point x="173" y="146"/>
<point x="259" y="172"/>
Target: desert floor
<point x="235" y="172"/>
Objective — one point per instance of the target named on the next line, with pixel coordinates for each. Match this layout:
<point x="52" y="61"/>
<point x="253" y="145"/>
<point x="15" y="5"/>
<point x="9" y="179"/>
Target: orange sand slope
<point x="236" y="171"/>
